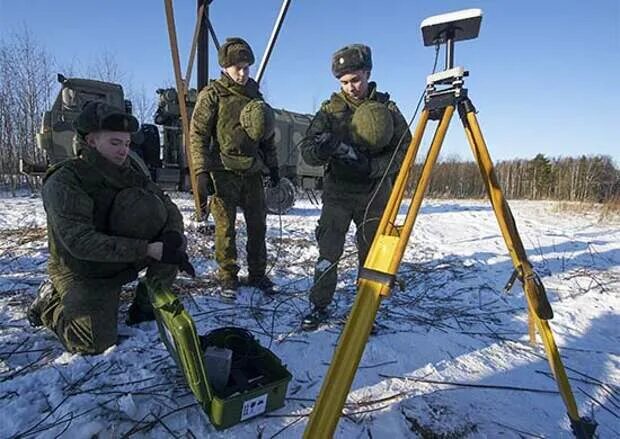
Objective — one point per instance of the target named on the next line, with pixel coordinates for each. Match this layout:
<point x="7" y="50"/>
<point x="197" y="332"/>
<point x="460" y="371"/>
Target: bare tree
<point x="144" y="104"/>
<point x="26" y="87"/>
<point x="105" y="67"/>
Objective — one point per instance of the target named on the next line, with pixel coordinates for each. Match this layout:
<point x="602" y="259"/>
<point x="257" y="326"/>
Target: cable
<point x="279" y="246"/>
<point x="398" y="145"/>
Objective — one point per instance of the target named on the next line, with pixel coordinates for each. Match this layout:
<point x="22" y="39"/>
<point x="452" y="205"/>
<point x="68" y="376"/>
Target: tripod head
<point x="446" y="86"/>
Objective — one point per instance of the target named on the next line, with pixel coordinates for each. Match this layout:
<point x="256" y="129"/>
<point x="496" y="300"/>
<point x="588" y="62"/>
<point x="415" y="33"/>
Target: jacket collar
<point x="373" y="95"/>
<point x="249" y="90"/>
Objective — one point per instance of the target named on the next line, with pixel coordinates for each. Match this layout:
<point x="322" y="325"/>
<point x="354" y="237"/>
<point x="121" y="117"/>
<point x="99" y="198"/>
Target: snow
<point x="450" y="326"/>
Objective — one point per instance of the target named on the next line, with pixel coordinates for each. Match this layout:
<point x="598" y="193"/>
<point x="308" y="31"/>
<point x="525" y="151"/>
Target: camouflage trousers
<point x="83" y="313"/>
<point x="339" y="209"/>
<point x="234" y="190"/>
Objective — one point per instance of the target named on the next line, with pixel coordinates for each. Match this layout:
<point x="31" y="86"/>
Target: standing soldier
<point x="231" y="141"/>
<point x="361" y="137"/>
<point x="106" y="221"/>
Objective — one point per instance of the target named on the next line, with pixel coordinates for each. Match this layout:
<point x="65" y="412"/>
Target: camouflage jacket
<point x="216" y="135"/>
<point x="77" y="195"/>
<point x="335" y="116"/>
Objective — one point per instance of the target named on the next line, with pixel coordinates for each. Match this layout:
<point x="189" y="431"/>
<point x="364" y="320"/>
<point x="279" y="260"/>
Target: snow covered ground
<point x="450" y="325"/>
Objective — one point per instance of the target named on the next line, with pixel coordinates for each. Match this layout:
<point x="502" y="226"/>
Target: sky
<point x="543" y="74"/>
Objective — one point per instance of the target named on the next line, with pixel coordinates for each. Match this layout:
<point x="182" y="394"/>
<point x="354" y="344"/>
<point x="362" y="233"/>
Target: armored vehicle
<point x="56" y="135"/>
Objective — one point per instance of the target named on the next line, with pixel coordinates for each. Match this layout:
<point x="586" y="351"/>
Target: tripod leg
<point x="425" y="176"/>
<point x="375" y="280"/>
<point x="388" y="219"/>
<point x="582" y="427"/>
<point x="504" y="218"/>
<point x="533" y="287"/>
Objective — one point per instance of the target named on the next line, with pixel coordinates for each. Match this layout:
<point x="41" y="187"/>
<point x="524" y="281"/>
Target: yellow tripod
<point x="444" y="94"/>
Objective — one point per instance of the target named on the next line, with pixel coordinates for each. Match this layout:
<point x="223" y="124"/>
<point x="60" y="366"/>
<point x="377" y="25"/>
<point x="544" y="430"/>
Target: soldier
<point x="231" y="140"/>
<point x="106" y="220"/>
<point x="361" y="137"/>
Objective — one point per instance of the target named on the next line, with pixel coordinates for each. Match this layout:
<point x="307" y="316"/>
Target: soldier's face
<point x="355" y="84"/>
<point x="113" y="145"/>
<point x="240" y="73"/>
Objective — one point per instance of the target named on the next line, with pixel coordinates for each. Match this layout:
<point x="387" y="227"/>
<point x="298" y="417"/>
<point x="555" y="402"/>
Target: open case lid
<point x="178" y="332"/>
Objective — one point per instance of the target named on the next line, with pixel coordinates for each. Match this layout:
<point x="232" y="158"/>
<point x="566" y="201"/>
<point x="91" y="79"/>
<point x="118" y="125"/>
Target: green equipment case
<point x="257" y="382"/>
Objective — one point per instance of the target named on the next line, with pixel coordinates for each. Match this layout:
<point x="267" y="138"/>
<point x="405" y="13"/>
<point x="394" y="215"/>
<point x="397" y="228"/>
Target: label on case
<point x="254" y="407"/>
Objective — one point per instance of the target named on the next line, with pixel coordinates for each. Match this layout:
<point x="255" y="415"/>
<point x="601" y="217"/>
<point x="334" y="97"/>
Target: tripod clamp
<point x="443" y="89"/>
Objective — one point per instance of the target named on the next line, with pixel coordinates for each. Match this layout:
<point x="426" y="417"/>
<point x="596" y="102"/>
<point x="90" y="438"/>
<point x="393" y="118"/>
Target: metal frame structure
<point x="181" y="84"/>
<point x="200" y="44"/>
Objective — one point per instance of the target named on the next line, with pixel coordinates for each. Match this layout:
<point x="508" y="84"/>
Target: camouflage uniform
<point x="345" y="198"/>
<point x="88" y="262"/>
<point x="221" y="147"/>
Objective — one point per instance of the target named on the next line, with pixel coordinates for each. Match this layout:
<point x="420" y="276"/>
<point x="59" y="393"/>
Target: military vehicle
<point x="160" y="146"/>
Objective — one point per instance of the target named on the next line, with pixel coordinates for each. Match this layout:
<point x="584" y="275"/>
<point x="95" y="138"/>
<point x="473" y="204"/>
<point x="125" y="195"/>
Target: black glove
<point x="173" y="252"/>
<point x="178" y="258"/>
<point x="205" y="189"/>
<point x="205" y="184"/>
<point x="274" y="177"/>
<point x="172" y="240"/>
<point x="186" y="266"/>
<point x="352" y="168"/>
<point x="327" y="143"/>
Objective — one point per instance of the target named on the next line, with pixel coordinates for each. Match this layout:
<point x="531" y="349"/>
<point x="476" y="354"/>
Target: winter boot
<point x="228" y="288"/>
<point x="314" y="319"/>
<point x="263" y="283"/>
<point x="38" y="305"/>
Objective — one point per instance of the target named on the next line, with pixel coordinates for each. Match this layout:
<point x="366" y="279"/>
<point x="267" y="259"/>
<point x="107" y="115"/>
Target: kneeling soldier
<point x="361" y="137"/>
<point x="106" y="221"/>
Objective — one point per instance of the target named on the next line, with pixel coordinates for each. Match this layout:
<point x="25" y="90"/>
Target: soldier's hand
<point x="344" y="152"/>
<point x="354" y="168"/>
<point x="186" y="266"/>
<point x="327" y="144"/>
<point x="173" y="240"/>
<point x="180" y="259"/>
<point x="274" y="177"/>
<point x="360" y="165"/>
<point x="169" y="248"/>
<point x="205" y="189"/>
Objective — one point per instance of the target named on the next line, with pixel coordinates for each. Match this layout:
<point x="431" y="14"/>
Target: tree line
<point x="587" y="178"/>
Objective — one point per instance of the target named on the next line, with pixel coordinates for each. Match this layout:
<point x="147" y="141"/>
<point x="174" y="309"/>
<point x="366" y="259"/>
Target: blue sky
<point x="543" y="74"/>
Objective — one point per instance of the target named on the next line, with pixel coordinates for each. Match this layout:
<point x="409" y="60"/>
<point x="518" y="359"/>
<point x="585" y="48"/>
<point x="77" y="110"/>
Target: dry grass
<point x="611" y="210"/>
<point x="607" y="212"/>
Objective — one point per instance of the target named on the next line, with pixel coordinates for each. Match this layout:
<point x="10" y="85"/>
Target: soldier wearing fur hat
<point x="231" y="142"/>
<point x="106" y="221"/>
<point x="360" y="136"/>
